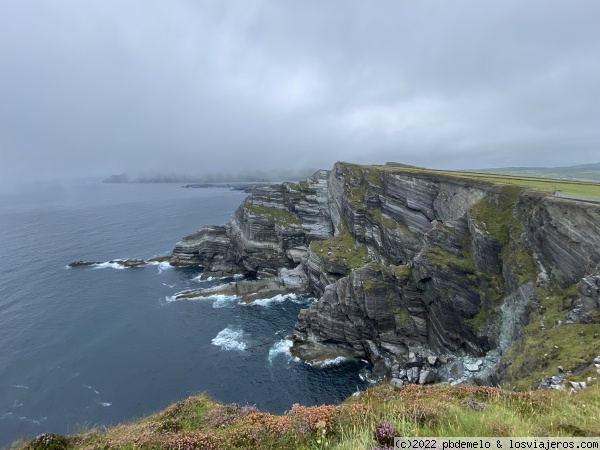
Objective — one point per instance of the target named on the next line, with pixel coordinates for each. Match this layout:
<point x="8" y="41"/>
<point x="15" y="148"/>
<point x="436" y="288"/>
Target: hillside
<point x="587" y="172"/>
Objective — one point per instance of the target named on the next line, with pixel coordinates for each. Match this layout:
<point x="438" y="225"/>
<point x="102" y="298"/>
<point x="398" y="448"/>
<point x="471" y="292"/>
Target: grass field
<point x="585" y="172"/>
<point x="569" y="187"/>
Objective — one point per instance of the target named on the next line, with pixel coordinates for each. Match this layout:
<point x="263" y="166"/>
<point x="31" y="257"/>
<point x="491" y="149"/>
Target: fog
<point x="101" y="87"/>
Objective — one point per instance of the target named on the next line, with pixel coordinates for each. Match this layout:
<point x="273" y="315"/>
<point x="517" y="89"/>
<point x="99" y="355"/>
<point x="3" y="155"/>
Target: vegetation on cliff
<point x="551" y="339"/>
<point x="341" y="250"/>
<point x="201" y="423"/>
<point x="276" y="215"/>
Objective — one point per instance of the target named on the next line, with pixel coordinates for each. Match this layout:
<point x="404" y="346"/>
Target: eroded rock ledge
<point x="409" y="266"/>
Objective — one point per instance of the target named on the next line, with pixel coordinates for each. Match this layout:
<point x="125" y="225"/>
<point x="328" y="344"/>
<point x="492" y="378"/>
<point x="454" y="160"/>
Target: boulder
<point x="472" y="367"/>
<point x="427" y="376"/>
<point x="396" y="382"/>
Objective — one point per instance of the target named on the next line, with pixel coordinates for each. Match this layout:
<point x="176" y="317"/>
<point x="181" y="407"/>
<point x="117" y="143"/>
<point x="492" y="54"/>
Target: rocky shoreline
<point x="428" y="275"/>
<point x="125" y="263"/>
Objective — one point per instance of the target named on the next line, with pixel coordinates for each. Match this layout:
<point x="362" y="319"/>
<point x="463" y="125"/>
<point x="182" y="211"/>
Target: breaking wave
<point x="223" y="301"/>
<point x="105" y="265"/>
<point x="230" y="339"/>
<point x="280" y="348"/>
<point x="219" y="300"/>
<point x="164" y="265"/>
<point x="280" y="298"/>
<point x="329" y="362"/>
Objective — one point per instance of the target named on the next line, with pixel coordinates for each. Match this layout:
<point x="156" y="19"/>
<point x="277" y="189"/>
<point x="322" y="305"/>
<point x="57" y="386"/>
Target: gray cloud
<point x="100" y="87"/>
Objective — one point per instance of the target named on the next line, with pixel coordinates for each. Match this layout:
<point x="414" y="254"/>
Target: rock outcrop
<point x="410" y="266"/>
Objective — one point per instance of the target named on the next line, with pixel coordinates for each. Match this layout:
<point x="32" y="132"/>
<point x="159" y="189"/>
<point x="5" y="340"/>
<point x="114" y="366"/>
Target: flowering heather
<point x="224" y="415"/>
<point x="308" y="417"/>
<point x="420" y="414"/>
<point x="385" y="433"/>
<point x="470" y="402"/>
<point x="276" y="425"/>
<point x="248" y="435"/>
<point x="189" y="441"/>
<point x="202" y="423"/>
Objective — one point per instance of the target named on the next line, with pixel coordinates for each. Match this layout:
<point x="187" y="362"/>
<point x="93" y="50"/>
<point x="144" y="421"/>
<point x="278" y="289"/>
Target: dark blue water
<point x="95" y="346"/>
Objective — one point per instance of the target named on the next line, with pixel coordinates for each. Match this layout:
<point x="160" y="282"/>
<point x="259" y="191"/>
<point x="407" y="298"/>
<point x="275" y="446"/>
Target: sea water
<point x="95" y="346"/>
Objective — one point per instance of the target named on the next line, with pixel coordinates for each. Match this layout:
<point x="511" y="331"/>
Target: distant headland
<point x="262" y="176"/>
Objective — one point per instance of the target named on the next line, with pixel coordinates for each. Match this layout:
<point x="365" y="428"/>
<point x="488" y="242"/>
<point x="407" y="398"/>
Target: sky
<point x="99" y="87"/>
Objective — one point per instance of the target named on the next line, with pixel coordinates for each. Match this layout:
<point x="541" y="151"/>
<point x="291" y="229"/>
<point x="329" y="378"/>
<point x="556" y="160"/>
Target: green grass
<point x="276" y="215"/>
<point x="445" y="259"/>
<point x="199" y="422"/>
<point x="542" y="349"/>
<point x="344" y="249"/>
<point x="583" y="188"/>
<point x="586" y="172"/>
<point x="497" y="216"/>
<point x="401" y="271"/>
<point x="387" y="222"/>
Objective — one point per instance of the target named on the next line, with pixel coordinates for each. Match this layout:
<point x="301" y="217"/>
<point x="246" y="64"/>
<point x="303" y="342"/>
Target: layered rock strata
<point x="409" y="265"/>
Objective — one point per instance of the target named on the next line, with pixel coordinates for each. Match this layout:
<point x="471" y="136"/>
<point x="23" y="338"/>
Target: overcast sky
<point x="98" y="87"/>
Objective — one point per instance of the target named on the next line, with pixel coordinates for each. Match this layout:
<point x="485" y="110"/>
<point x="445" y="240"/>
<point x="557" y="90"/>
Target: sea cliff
<point x="429" y="275"/>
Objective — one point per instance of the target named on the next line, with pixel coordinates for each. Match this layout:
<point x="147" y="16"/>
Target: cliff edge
<point x="429" y="275"/>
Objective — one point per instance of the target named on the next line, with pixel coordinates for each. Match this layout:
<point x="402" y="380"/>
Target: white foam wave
<point x="37" y="422"/>
<point x="230" y="338"/>
<point x="223" y="301"/>
<point x="5" y="415"/>
<point x="280" y="348"/>
<point x="91" y="388"/>
<point x="238" y="276"/>
<point x="105" y="404"/>
<point x="279" y="298"/>
<point x="20" y="386"/>
<point x="199" y="279"/>
<point x="329" y="362"/>
<point x="105" y="265"/>
<point x="169" y="285"/>
<point x="173" y="298"/>
<point x="163" y="265"/>
<point x="219" y="300"/>
<point x="269" y="301"/>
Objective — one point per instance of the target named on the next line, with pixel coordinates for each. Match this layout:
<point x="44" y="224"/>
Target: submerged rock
<point x="83" y="263"/>
<point x="127" y="263"/>
<point x="246" y="290"/>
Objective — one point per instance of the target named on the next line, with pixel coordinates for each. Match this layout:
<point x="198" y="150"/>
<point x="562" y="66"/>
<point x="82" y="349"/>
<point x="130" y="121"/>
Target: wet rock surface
<point x="126" y="263"/>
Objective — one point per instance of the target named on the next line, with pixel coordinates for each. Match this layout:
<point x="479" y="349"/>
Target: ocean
<point x="95" y="346"/>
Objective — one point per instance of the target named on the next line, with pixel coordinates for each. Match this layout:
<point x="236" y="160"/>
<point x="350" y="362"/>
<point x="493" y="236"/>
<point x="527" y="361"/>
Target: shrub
<point x="385" y="433"/>
<point x="49" y="441"/>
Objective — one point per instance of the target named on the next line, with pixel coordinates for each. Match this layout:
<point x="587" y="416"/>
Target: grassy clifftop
<point x="199" y="422"/>
<point x="568" y="187"/>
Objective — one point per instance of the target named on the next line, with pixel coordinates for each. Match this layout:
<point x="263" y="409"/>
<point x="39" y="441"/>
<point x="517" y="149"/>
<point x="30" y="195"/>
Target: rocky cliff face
<point x="425" y="274"/>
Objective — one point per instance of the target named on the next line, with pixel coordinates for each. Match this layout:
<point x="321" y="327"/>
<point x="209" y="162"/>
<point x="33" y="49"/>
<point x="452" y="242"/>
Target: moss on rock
<point x="341" y="249"/>
<point x="278" y="215"/>
<point x="549" y="341"/>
